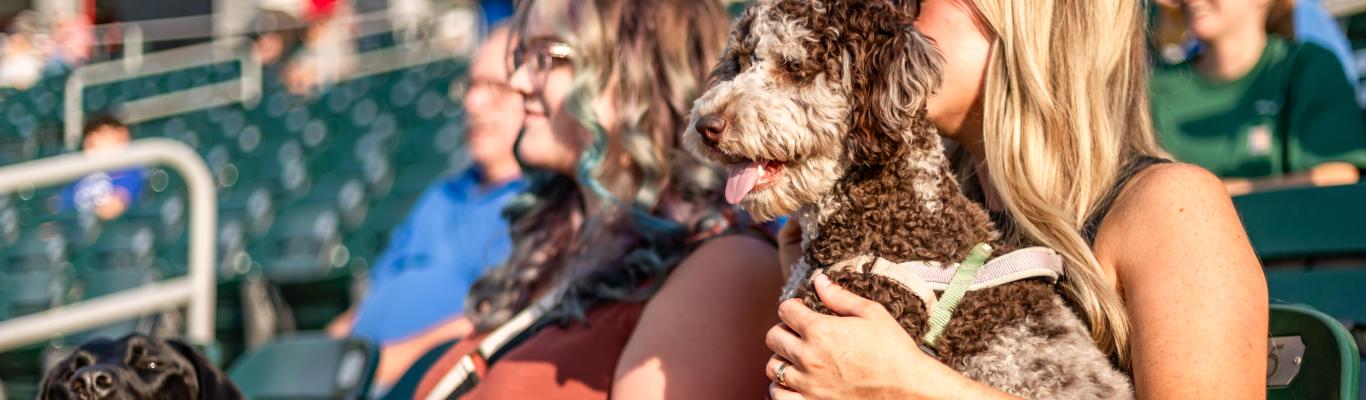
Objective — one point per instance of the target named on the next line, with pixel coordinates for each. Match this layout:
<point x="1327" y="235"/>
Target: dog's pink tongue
<point x="741" y="181"/>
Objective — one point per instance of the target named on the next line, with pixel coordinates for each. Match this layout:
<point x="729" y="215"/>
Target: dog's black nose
<point x="93" y="382"/>
<point x="712" y="127"/>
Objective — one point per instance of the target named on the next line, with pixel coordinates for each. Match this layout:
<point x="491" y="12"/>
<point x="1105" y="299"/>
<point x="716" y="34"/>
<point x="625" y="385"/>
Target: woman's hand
<point x="861" y="353"/>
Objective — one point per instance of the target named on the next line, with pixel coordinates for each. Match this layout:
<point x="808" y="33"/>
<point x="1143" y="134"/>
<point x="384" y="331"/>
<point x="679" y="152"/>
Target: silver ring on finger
<point x="781" y="373"/>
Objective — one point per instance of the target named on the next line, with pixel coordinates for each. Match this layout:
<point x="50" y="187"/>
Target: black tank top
<point x="1133" y="167"/>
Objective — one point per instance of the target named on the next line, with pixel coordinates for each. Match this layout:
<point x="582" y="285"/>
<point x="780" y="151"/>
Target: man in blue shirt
<point x="105" y="194"/>
<point x="452" y="235"/>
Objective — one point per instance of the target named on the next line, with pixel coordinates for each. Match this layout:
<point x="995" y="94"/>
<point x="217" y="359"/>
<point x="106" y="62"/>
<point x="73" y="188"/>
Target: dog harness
<point x="953" y="281"/>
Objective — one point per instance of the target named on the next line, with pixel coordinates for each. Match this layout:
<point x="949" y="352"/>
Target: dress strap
<point x="470" y="369"/>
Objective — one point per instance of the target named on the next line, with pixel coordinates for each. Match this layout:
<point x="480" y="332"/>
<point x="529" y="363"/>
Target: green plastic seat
<point x="303" y="244"/>
<point x="307" y="367"/>
<point x="1334" y="291"/>
<point x="29" y="290"/>
<point x="1311" y="240"/>
<point x="33" y="273"/>
<point x="347" y="193"/>
<point x="22" y="370"/>
<point x="123" y="244"/>
<point x="1311" y="356"/>
<point x="1305" y="222"/>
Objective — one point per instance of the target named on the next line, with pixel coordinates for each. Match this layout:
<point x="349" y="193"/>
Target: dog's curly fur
<point x="834" y="91"/>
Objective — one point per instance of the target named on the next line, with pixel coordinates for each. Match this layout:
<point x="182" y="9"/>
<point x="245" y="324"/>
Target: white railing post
<point x="73" y="112"/>
<point x="196" y="290"/>
<point x="132" y="47"/>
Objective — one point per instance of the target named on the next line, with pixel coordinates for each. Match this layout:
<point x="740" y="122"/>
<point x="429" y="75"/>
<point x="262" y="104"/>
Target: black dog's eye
<point x="151" y="365"/>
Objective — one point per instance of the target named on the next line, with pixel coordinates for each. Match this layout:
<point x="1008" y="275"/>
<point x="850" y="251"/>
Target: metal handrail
<point x="196" y="289"/>
<point x="248" y="84"/>
<point x="197" y="27"/>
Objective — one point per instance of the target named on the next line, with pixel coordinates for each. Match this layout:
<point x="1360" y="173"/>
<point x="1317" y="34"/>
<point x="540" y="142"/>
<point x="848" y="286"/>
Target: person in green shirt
<point x="1257" y="109"/>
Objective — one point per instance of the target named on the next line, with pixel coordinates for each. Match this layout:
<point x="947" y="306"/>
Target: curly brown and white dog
<point x="818" y="109"/>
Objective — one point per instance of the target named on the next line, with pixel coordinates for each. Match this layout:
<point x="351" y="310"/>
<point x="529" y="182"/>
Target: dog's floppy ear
<point x="893" y="70"/>
<point x="213" y="384"/>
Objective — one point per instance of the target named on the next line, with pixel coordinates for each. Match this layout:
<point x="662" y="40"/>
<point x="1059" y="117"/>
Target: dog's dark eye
<point x="151" y="365"/>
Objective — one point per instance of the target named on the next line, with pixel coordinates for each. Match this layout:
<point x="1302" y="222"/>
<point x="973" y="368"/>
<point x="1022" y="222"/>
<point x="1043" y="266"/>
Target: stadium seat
<point x="295" y="159"/>
<point x="304" y="244"/>
<point x="253" y="203"/>
<point x="346" y="193"/>
<point x="165" y="212"/>
<point x="1310" y="240"/>
<point x="1305" y="222"/>
<point x="124" y="244"/>
<point x="307" y="367"/>
<point x="33" y="273"/>
<point x="1311" y="356"/>
<point x="22" y="370"/>
<point x="1335" y="291"/>
<point x="9" y="222"/>
<point x="29" y="290"/>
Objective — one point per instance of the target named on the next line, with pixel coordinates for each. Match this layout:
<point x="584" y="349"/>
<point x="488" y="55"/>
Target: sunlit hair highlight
<point x="1065" y="108"/>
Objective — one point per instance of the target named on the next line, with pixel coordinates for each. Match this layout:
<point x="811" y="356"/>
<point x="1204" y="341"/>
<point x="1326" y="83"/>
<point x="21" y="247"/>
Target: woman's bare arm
<point x="702" y="335"/>
<point x="1193" y="287"/>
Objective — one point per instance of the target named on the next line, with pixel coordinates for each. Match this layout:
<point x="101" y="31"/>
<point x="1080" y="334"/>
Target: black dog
<point x="136" y="367"/>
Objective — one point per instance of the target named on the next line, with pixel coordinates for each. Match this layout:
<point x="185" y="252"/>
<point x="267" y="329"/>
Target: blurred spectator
<point x="1255" y="108"/>
<point x="456" y="231"/>
<point x="107" y="195"/>
<point x="328" y="52"/>
<point x="22" y="62"/>
<point x="275" y="36"/>
<point x="627" y="278"/>
<point x="1307" y="22"/>
<point x="74" y="37"/>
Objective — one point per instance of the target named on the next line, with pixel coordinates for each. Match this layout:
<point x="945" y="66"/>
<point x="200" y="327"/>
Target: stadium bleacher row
<point x="308" y="189"/>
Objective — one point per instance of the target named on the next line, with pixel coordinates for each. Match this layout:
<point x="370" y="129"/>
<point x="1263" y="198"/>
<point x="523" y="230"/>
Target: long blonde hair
<point x="1065" y="107"/>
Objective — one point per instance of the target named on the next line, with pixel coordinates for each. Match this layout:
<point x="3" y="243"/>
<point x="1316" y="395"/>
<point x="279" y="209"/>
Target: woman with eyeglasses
<point x="628" y="278"/>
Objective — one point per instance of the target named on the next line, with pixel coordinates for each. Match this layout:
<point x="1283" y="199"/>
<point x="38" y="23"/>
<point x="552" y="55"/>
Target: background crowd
<point x="553" y="166"/>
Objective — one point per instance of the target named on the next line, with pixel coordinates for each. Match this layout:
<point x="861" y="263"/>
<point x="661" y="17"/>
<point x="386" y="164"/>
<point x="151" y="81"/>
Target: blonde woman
<point x="1048" y="100"/>
<point x="621" y="282"/>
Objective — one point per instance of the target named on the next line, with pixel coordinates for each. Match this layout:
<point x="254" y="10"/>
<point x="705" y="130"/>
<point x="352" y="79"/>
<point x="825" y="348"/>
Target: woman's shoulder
<point x="733" y="255"/>
<point x="1167" y="190"/>
<point x="1165" y="203"/>
<point x="730" y="267"/>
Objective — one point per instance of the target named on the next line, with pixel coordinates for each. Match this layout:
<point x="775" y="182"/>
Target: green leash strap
<point x="958" y="286"/>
